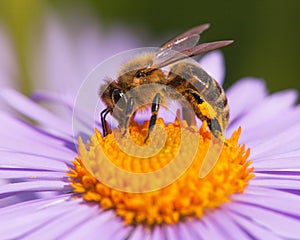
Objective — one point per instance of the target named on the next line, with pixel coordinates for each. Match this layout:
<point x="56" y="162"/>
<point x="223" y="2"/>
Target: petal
<point x="187" y="232"/>
<point x="58" y="103"/>
<point x="104" y="226"/>
<point x="275" y="106"/>
<point x="278" y="164"/>
<point x="30" y="174"/>
<point x="213" y="64"/>
<point x="276" y="175"/>
<point x="62" y="225"/>
<point x="271" y="199"/>
<point x="56" y="60"/>
<point x="284" y="184"/>
<point x="206" y="229"/>
<point x="27" y="207"/>
<point x="26" y="217"/>
<point x="140" y="233"/>
<point x="254" y="230"/>
<point x="23" y="137"/>
<point x="241" y="99"/>
<point x="230" y="229"/>
<point x="32" y="110"/>
<point x="158" y="233"/>
<point x="16" y="160"/>
<point x="40" y="186"/>
<point x="52" y="97"/>
<point x="284" y="142"/>
<point x="173" y="232"/>
<point x="278" y="223"/>
<point x="267" y="131"/>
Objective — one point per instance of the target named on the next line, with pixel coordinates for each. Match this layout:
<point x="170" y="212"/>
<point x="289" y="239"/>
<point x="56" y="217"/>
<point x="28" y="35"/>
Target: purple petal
<point x="278" y="164"/>
<point x="272" y="107"/>
<point x="8" y="200"/>
<point x="280" y="224"/>
<point x="61" y="68"/>
<point x="60" y="226"/>
<point x="40" y="186"/>
<point x="21" y="137"/>
<point x="58" y="103"/>
<point x="140" y="233"/>
<point x="241" y="99"/>
<point x="277" y="175"/>
<point x="255" y="230"/>
<point x="158" y="233"/>
<point x="42" y="212"/>
<point x="104" y="226"/>
<point x="52" y="97"/>
<point x="198" y="228"/>
<point x="28" y="207"/>
<point x="32" y="110"/>
<point x="277" y="183"/>
<point x="213" y="64"/>
<point x="270" y="198"/>
<point x="173" y="232"/>
<point x="90" y="41"/>
<point x="56" y="61"/>
<point x="284" y="142"/>
<point x="266" y="132"/>
<point x="229" y="227"/>
<point x="187" y="232"/>
<point x="30" y="174"/>
<point x="10" y="159"/>
<point x="206" y="228"/>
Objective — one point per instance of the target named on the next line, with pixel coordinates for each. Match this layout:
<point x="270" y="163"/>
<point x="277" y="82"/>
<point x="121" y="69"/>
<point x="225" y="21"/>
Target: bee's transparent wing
<point x="181" y="42"/>
<point x="185" y="40"/>
<point x="174" y="56"/>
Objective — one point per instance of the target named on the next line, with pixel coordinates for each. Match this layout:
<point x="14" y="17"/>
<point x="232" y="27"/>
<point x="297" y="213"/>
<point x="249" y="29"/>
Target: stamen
<point x="187" y="197"/>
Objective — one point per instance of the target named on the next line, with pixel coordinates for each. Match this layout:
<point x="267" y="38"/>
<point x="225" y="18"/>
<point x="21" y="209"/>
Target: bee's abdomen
<point x="192" y="76"/>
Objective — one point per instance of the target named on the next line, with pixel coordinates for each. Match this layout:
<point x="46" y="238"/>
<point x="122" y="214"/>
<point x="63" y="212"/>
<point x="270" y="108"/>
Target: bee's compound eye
<point x="117" y="94"/>
<point x="139" y="74"/>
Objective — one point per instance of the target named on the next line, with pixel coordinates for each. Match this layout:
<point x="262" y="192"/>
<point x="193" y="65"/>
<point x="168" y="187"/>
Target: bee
<point x="206" y="97"/>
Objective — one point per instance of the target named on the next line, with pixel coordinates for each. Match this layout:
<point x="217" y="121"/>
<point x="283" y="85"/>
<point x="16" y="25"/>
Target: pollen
<point x="180" y="193"/>
<point x="207" y="110"/>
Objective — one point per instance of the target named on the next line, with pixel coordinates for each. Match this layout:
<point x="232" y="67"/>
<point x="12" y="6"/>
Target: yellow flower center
<point x="188" y="195"/>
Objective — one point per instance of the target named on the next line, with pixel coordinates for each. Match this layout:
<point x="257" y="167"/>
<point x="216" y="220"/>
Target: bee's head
<point x="115" y="99"/>
<point x="113" y="95"/>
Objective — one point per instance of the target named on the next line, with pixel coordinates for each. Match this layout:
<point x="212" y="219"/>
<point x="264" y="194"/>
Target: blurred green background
<point x="266" y="32"/>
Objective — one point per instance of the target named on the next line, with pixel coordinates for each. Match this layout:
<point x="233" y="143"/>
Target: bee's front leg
<point x="128" y="113"/>
<point x="103" y="115"/>
<point x="154" y="112"/>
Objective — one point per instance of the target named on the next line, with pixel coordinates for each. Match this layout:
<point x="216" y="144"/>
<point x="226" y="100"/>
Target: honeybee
<point x="205" y="95"/>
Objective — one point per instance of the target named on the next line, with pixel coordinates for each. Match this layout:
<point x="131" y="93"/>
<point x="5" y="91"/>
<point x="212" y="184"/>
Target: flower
<point x="65" y="56"/>
<point x="37" y="151"/>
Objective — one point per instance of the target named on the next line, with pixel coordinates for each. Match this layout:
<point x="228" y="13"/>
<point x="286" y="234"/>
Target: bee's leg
<point x="128" y="113"/>
<point x="154" y="111"/>
<point x="103" y="115"/>
<point x="196" y="100"/>
<point x="215" y="128"/>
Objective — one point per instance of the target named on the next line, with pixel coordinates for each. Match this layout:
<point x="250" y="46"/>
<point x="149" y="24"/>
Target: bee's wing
<point x="172" y="56"/>
<point x="181" y="42"/>
<point x="185" y="40"/>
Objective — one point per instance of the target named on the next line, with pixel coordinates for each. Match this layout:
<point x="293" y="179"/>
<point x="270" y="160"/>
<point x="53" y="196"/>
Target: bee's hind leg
<point x="128" y="113"/>
<point x="154" y="112"/>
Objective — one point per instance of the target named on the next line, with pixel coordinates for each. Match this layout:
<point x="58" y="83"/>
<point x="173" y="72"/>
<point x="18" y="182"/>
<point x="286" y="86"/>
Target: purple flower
<point x="55" y="64"/>
<point x="36" y="154"/>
